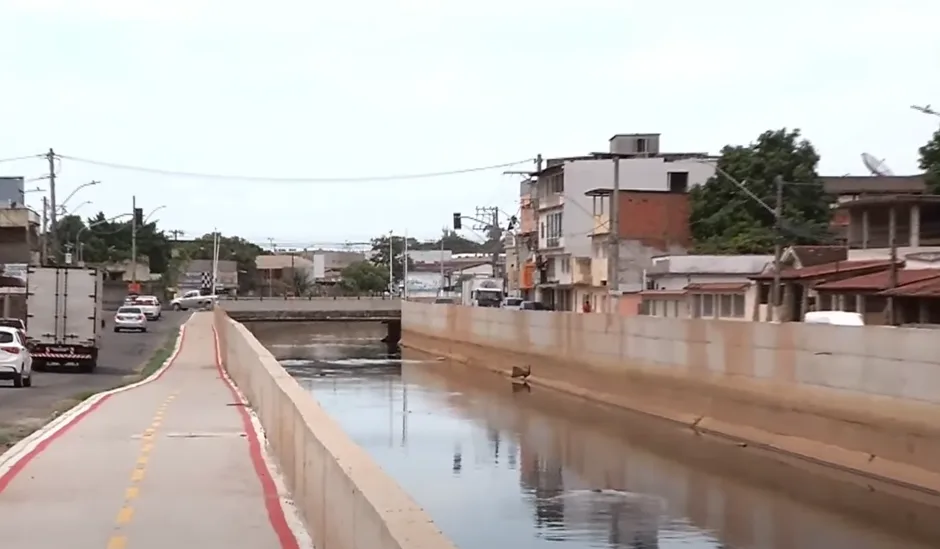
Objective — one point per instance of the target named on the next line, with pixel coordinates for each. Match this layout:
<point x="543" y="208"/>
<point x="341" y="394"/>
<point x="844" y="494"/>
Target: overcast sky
<point x="309" y="89"/>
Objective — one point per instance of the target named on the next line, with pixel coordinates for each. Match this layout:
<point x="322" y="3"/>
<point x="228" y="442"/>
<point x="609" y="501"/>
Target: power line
<point x="18" y="158"/>
<point x="174" y="173"/>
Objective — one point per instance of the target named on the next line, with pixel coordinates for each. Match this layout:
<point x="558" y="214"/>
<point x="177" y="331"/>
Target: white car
<point x="150" y="305"/>
<point x="512" y="303"/>
<point x="193" y="299"/>
<point x="130" y="318"/>
<point x="16" y="364"/>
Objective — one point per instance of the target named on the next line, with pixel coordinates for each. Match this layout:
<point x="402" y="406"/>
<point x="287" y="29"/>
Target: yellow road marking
<point x="125" y="515"/>
<point x="132" y="492"/>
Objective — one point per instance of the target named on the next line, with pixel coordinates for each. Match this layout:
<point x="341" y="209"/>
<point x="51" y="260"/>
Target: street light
<point x="80" y="187"/>
<point x="63" y="212"/>
<point x="153" y="211"/>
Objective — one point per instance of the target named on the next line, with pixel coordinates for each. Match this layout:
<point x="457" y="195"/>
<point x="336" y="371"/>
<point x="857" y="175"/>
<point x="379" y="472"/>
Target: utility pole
<point x="133" y="241"/>
<point x="391" y="263"/>
<point x="54" y="226"/>
<point x="44" y="250"/>
<point x="893" y="269"/>
<point x="613" y="254"/>
<point x="487" y="218"/>
<point x="774" y="313"/>
<point x="441" y="293"/>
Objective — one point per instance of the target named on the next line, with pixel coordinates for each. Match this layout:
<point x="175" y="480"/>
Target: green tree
<point x="365" y="277"/>
<point x="725" y="220"/>
<point x="930" y="162"/>
<point x="103" y="241"/>
<point x="380" y="254"/>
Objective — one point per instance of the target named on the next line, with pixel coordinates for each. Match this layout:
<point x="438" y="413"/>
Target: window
<point x="708" y="306"/>
<point x="641" y="145"/>
<point x="696" y="306"/>
<point x="763" y="291"/>
<point x="678" y="182"/>
<point x="675" y="308"/>
<point x="542" y="229"/>
<point x="725" y="309"/>
<point x="737" y="308"/>
<point x="6" y="337"/>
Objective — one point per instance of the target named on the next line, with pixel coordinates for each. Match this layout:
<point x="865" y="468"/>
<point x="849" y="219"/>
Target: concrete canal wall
<point x="345" y="498"/>
<point x="865" y="399"/>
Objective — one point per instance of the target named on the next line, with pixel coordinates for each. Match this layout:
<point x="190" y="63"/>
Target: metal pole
<point x="44" y="251"/>
<point x="441" y="293"/>
<point x="774" y="313"/>
<point x="893" y="269"/>
<point x="613" y="254"/>
<point x="391" y="263"/>
<point x="53" y="223"/>
<point x="404" y="267"/>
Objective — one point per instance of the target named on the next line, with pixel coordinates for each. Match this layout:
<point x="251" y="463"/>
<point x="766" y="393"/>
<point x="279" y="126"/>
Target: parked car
<point x="445" y="300"/>
<point x="837" y="318"/>
<point x="534" y="306"/>
<point x="130" y="318"/>
<point x="513" y="303"/>
<point x="150" y="305"/>
<point x="16" y="363"/>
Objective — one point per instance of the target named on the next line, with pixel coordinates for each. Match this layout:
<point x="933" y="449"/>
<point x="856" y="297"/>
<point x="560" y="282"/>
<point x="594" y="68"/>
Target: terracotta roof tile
<point x="713" y="287"/>
<point x="826" y="269"/>
<point x="880" y="280"/>
<point x="923" y="288"/>
<point x="809" y="256"/>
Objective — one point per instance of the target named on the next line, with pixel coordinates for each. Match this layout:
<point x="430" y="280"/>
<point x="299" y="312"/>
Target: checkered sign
<point x="206" y="280"/>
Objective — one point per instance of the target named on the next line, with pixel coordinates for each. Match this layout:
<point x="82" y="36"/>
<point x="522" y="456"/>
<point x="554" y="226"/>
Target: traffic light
<point x="138" y="216"/>
<point x="457" y="221"/>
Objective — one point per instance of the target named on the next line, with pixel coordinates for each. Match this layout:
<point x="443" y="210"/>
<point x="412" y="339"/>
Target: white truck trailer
<point x="63" y="316"/>
<point x="482" y="292"/>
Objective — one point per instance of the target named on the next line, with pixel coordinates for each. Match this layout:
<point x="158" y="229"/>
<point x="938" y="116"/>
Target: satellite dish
<point x="875" y="166"/>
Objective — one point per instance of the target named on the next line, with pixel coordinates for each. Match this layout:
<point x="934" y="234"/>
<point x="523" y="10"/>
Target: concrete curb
<point x="25" y="450"/>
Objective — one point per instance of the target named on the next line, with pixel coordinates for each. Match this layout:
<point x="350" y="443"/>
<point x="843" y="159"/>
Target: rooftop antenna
<point x="877" y="167"/>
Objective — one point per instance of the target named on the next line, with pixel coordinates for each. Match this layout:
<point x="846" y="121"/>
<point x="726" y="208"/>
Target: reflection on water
<point x="495" y="466"/>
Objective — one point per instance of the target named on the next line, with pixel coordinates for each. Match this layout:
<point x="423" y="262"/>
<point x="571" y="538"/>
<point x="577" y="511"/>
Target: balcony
<point x="552" y="200"/>
<point x="601" y="225"/>
<point x="552" y="243"/>
<point x="581" y="271"/>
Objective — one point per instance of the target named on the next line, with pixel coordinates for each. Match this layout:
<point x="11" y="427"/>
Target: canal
<point x="496" y="465"/>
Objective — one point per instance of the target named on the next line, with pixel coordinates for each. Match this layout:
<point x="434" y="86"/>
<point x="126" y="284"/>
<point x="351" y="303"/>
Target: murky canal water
<point x="496" y="466"/>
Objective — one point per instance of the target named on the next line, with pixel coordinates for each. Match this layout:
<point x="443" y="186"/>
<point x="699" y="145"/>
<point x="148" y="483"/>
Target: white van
<point x="836" y="318"/>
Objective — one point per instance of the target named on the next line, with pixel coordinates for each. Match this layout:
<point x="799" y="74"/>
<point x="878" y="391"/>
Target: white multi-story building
<point x="565" y="215"/>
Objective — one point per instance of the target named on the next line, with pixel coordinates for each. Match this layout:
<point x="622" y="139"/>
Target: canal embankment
<point x="862" y="401"/>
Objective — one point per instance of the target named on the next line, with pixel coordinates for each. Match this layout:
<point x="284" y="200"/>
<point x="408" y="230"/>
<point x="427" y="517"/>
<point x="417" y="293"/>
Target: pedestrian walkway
<point x="171" y="463"/>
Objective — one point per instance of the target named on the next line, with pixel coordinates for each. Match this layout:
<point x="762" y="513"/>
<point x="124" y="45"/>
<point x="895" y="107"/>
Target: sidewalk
<point x="171" y="463"/>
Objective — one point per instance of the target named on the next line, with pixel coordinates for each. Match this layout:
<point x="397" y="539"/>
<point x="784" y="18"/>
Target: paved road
<point x="22" y="410"/>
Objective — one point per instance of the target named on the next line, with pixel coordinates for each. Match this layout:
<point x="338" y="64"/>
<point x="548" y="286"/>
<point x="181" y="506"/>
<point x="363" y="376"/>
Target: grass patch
<point x="159" y="356"/>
